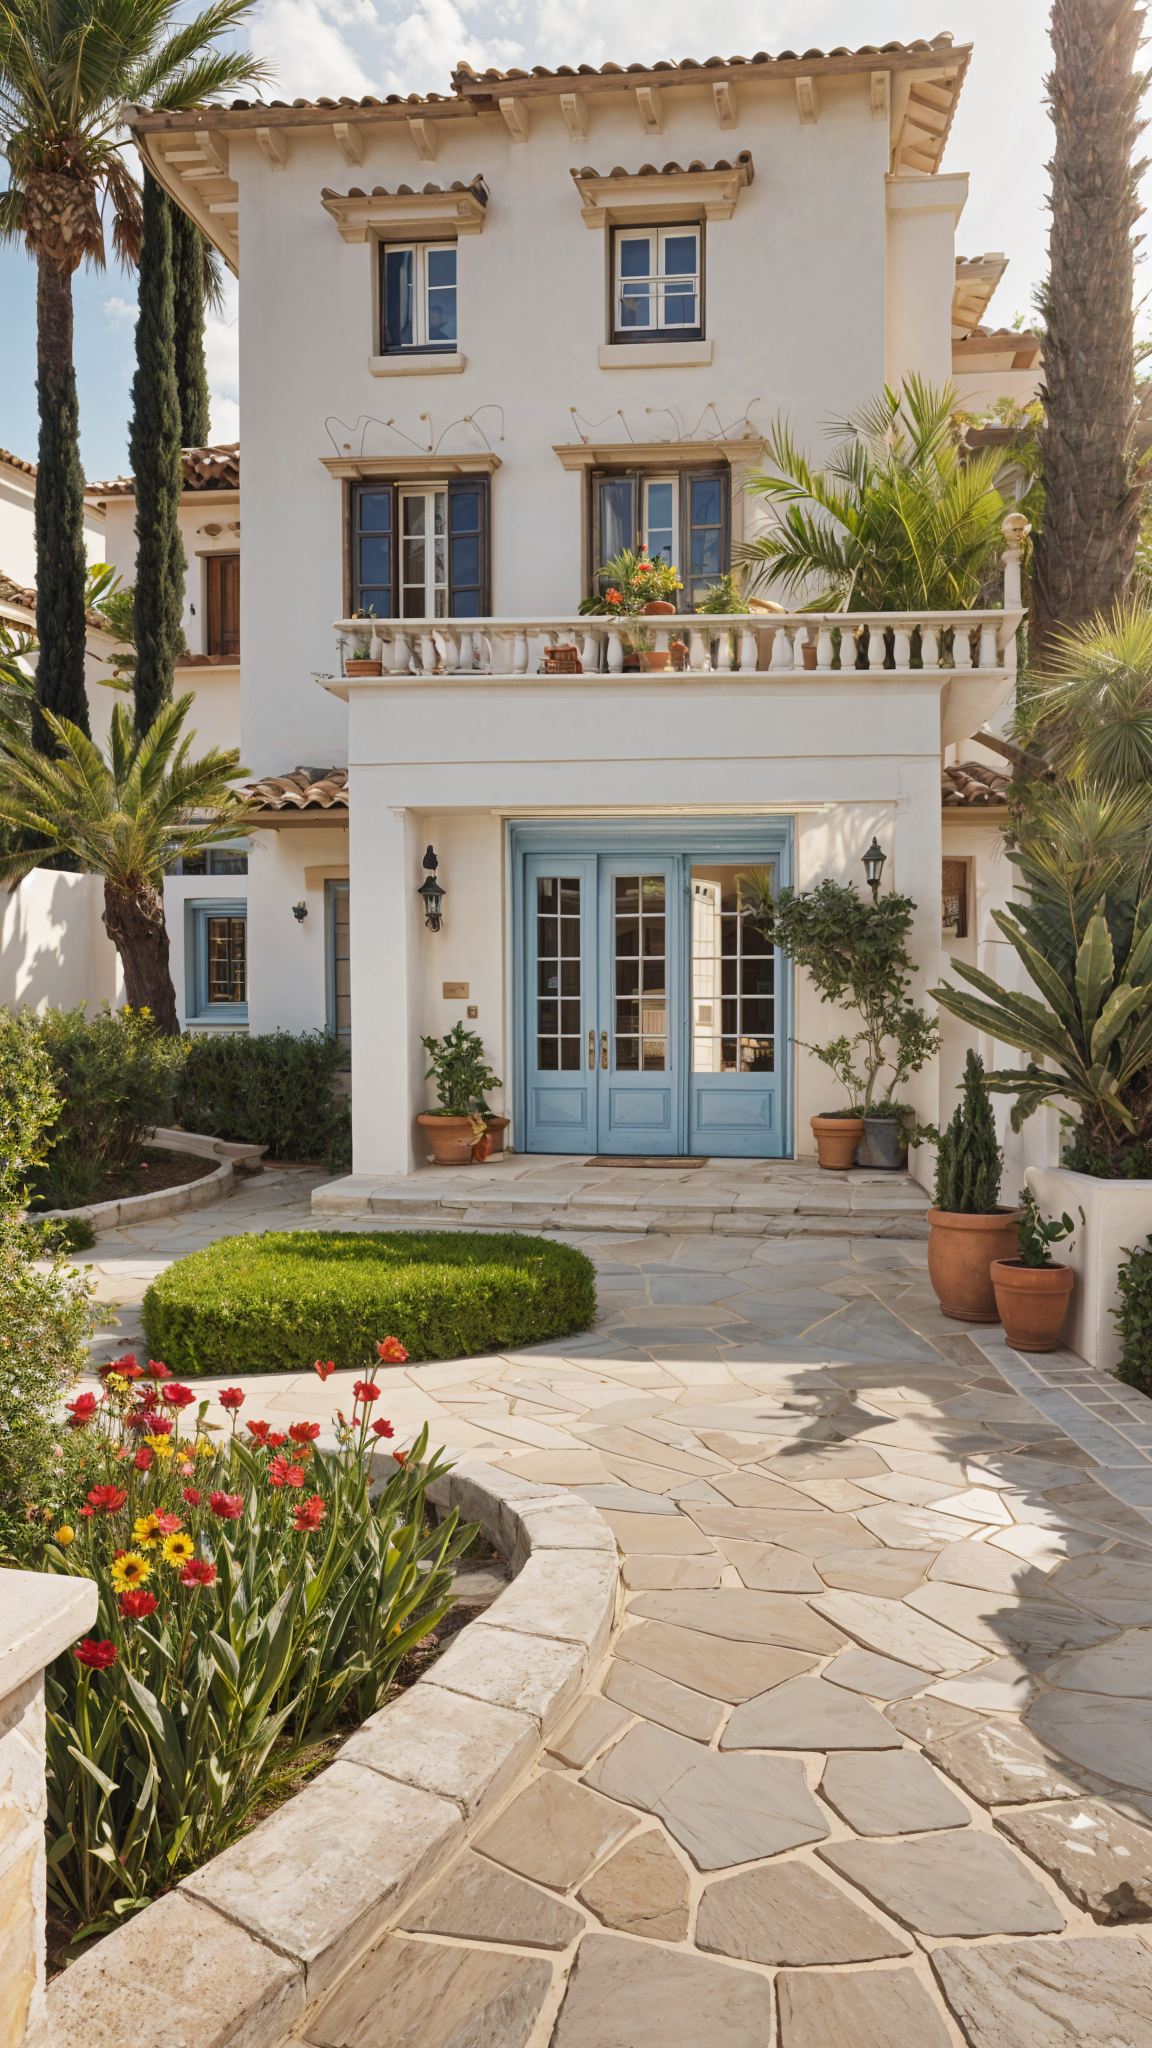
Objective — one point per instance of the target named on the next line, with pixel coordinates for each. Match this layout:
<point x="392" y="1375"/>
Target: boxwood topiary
<point x="277" y="1302"/>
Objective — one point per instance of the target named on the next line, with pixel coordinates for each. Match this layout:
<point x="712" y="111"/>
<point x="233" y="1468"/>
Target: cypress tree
<point x="59" y="516"/>
<point x="189" y="288"/>
<point x="969" y="1161"/>
<point x="154" y="447"/>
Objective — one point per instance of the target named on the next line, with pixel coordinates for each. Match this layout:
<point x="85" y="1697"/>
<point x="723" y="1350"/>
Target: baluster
<point x="781" y="649"/>
<point x="428" y="652"/>
<point x="615" y="651"/>
<point x="930" y="646"/>
<point x="464" y="652"/>
<point x="663" y="642"/>
<point x="401" y="653"/>
<point x="875" y="645"/>
<point x="799" y="643"/>
<point x="590" y="652"/>
<point x="902" y="647"/>
<point x="824" y="646"/>
<point x="847" y="646"/>
<point x="724" y="651"/>
<point x="499" y="655"/>
<point x="520" y="652"/>
<point x="448" y="645"/>
<point x="988" y="655"/>
<point x="700" y="648"/>
<point x="748" y="650"/>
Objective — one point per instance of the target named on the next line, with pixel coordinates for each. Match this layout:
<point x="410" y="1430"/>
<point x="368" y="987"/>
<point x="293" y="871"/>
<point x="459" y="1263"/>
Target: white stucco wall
<point x="18" y="527"/>
<point x="922" y="213"/>
<point x="54" y="950"/>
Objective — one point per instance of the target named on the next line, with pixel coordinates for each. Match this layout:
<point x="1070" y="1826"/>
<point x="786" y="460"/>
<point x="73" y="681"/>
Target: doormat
<point x="674" y="1164"/>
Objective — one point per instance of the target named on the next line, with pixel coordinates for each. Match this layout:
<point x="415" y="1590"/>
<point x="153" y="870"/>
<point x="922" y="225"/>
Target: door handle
<point x="604" y="1050"/>
<point x="591" y="1049"/>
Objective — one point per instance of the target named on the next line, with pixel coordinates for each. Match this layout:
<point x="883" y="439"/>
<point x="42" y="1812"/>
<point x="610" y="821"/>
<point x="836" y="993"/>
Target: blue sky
<point x="1001" y="135"/>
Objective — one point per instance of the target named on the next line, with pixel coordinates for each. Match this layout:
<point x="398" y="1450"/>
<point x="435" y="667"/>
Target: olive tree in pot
<point x="1032" y="1291"/>
<point x="855" y="952"/>
<point x="968" y="1228"/>
<point x="463" y="1122"/>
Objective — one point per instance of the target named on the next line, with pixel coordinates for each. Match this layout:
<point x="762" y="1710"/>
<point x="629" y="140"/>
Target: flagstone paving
<point x="870" y="1758"/>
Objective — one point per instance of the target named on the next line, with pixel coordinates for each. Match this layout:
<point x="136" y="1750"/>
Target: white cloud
<point x="119" y="313"/>
<point x="224" y="416"/>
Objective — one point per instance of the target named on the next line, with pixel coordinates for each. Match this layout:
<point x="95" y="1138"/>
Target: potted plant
<point x="358" y="663"/>
<point x="968" y="1229"/>
<point x="636" y="586"/>
<point x="1032" y="1291"/>
<point x="888" y="1128"/>
<point x="462" y="1078"/>
<point x="838" y="1131"/>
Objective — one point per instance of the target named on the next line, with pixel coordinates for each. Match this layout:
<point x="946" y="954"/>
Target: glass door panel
<point x="560" y="1024"/>
<point x="734" y="1087"/>
<point x="638" y="1108"/>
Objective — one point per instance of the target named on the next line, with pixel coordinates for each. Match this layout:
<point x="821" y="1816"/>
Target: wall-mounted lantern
<point x="873" y="865"/>
<point x="299" y="912"/>
<point x="431" y="892"/>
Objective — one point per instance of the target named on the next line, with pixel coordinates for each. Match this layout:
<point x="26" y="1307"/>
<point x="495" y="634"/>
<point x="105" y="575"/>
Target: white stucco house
<point x="486" y="338"/>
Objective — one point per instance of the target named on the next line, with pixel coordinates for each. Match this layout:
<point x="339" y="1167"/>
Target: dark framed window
<point x="421" y="550"/>
<point x="681" y="516"/>
<point x="216" y="956"/>
<point x="222" y="575"/>
<point x="213" y="860"/>
<point x="417" y="297"/>
<point x="338" y="934"/>
<point x="658" y="283"/>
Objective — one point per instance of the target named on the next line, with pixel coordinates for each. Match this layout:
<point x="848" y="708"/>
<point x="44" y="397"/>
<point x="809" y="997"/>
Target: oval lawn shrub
<point x="277" y="1302"/>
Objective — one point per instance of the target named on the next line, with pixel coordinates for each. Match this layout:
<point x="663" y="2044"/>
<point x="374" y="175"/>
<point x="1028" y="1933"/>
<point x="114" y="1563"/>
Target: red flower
<point x="309" y="1514"/>
<point x="325" y="1371"/>
<point x="82" y="1409"/>
<point x="613" y="597"/>
<point x="227" y="1506"/>
<point x="167" y="1525"/>
<point x="190" y="1495"/>
<point x="391" y="1351"/>
<point x="258" y="1431"/>
<point x="177" y="1396"/>
<point x="304" y="1432"/>
<point x="107" y="1500"/>
<point x="365" y="1391"/>
<point x="97" y="1656"/>
<point x="198" y="1573"/>
<point x="157" y="1370"/>
<point x="281" y="1473"/>
<point x="87" y="1513"/>
<point x="641" y="566"/>
<point x="148" y="1397"/>
<point x="141" y="1419"/>
<point x="136" y="1606"/>
<point x="382" y="1428"/>
<point x="231" y="1397"/>
<point x="401" y="1457"/>
<point x="275" y="1438"/>
<point x="143" y="1458"/>
<point x="126" y="1367"/>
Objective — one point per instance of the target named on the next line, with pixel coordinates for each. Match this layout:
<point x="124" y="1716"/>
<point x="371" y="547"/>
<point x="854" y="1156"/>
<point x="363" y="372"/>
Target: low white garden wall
<point x="1117" y="1219"/>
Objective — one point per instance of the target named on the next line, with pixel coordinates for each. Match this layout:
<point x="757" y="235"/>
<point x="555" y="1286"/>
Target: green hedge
<point x="269" y="1089"/>
<point x="279" y="1301"/>
<point x="1134" y="1318"/>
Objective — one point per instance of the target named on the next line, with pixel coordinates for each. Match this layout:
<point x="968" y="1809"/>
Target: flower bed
<point x="252" y="1601"/>
<point x="269" y="1303"/>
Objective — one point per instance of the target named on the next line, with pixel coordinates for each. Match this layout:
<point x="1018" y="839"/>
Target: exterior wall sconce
<point x="431" y="892"/>
<point x="299" y="912"/>
<point x="873" y="865"/>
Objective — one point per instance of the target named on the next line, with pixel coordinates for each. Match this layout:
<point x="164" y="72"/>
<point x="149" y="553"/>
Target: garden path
<point x="871" y="1751"/>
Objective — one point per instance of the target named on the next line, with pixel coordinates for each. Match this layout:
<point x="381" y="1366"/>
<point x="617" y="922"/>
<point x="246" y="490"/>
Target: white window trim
<point x="419" y="252"/>
<point x="431" y="587"/>
<point x="658" y="281"/>
<point x="646" y="483"/>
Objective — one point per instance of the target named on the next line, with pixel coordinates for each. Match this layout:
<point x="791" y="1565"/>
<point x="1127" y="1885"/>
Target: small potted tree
<point x="838" y="1131"/>
<point x="462" y="1119"/>
<point x="637" y="586"/>
<point x="1032" y="1291"/>
<point x="968" y="1229"/>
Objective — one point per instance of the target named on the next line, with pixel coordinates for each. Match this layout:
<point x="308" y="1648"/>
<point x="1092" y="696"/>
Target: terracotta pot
<point x="493" y="1139"/>
<point x="660" y="606"/>
<point x="808" y="654"/>
<point x="363" y="668"/>
<point x="1033" y="1301"/>
<point x="836" y="1139"/>
<point x="653" y="660"/>
<point x="961" y="1252"/>
<point x="450" y="1138"/>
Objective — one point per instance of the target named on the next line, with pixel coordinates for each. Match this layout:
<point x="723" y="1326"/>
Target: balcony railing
<point x="745" y="643"/>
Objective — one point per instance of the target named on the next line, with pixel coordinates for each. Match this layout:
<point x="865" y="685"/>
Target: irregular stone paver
<point x="554" y="1831"/>
<point x="644" y="1535"/>
<point x="1122" y="1668"/>
<point x="1118" y="1592"/>
<point x="928" y="1719"/>
<point x="790" y="1913"/>
<point x="951" y="1884"/>
<point x="434" y="1994"/>
<point x="1113" y="1737"/>
<point x="896" y="1630"/>
<point x="909" y="1528"/>
<point x="809" y="1533"/>
<point x="743" y="1617"/>
<point x="655" y="1573"/>
<point x="1102" y="1859"/>
<point x="998" y="1623"/>
<point x="623" y="1994"/>
<point x="990" y="1571"/>
<point x="889" y="1574"/>
<point x="999" y="1763"/>
<point x="641" y="1691"/>
<point x="882" y="1678"/>
<point x="642" y="1889"/>
<point x="728" y="1671"/>
<point x="895" y="1794"/>
<point x="1078" y="1993"/>
<point x="807" y="1713"/>
<point x="858" y="2009"/>
<point x="1002" y="1686"/>
<point x="596" y="1724"/>
<point x="768" y="1568"/>
<point x="722" y="1809"/>
<point x="478" y="1901"/>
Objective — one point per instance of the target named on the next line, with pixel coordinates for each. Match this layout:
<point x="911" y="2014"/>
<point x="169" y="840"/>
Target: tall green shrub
<point x="188" y="287"/>
<point x="45" y="1323"/>
<point x="154" y="447"/>
<point x="1134" y="1318"/>
<point x="59" y="517"/>
<point x="969" y="1162"/>
<point x="270" y="1089"/>
<point x="29" y="1103"/>
<point x="116" y="1077"/>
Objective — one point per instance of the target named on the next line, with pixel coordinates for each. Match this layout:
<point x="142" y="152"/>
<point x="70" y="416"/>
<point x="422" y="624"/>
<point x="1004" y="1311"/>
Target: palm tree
<point x="901" y="519"/>
<point x="123" y="815"/>
<point x="67" y="70"/>
<point x="1083" y="554"/>
<point x="1090" y="713"/>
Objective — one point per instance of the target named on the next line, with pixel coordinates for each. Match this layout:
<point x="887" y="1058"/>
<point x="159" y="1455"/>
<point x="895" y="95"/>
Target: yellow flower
<point x="204" y="1448"/>
<point x="161" y="1445"/>
<point x="144" y="1529"/>
<point x="65" y="1535"/>
<point x="118" y="1385"/>
<point x="177" y="1549"/>
<point x="130" y="1570"/>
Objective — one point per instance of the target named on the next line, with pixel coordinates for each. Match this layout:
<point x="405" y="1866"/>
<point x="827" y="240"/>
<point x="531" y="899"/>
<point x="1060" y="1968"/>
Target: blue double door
<point x="651" y="1008"/>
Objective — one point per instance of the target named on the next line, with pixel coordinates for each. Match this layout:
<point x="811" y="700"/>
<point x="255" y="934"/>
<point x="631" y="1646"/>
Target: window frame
<point x="214" y="634"/>
<point x="658" y="330"/>
<point x="238" y="846"/>
<point x="683" y="478"/>
<point x="420" y="252"/>
<point x="332" y="889"/>
<point x="366" y="596"/>
<point x="197" y="1008"/>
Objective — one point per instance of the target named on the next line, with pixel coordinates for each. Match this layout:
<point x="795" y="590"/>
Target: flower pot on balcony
<point x="836" y="1139"/>
<point x="1033" y="1301"/>
<point x="652" y="660"/>
<point x="808" y="655"/>
<point x="961" y="1253"/>
<point x="450" y="1137"/>
<point x="492" y="1141"/>
<point x="363" y="668"/>
<point x="659" y="606"/>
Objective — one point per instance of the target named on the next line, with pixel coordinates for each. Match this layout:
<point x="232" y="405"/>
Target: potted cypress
<point x="463" y="1078"/>
<point x="1032" y="1291"/>
<point x="968" y="1228"/>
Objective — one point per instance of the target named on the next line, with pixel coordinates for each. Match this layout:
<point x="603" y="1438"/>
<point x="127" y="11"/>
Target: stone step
<point x="897" y="1219"/>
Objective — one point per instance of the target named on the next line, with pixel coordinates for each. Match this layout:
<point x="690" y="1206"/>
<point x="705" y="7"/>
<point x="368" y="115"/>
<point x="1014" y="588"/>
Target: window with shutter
<point x="223" y="607"/>
<point x="421" y="551"/>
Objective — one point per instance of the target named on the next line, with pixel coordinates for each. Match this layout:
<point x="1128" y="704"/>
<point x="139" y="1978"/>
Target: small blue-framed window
<point x="216" y="953"/>
<point x="337" y="941"/>
<point x="228" y="859"/>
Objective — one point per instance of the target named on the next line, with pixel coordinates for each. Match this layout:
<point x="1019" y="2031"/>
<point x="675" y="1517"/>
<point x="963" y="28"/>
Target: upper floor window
<point x="222" y="575"/>
<point x="418" y="292"/>
<point x="682" y="517"/>
<point x="657" y="284"/>
<point x="420" y="551"/>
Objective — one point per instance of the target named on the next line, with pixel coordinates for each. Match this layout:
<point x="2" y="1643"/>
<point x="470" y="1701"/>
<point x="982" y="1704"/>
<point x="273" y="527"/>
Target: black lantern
<point x="873" y="865"/>
<point x="431" y="892"/>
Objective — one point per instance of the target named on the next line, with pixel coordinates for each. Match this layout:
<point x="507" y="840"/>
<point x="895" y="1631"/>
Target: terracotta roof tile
<point x="476" y="186"/>
<point x="743" y="164"/>
<point x="464" y="78"/>
<point x="973" y="785"/>
<point x="205" y="469"/>
<point x="11" y="461"/>
<point x="306" y="789"/>
<point x="20" y="594"/>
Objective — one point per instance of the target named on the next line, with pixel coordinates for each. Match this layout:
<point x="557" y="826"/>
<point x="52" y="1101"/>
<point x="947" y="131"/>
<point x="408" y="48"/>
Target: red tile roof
<point x="306" y="789"/>
<point x="11" y="461"/>
<point x="205" y="469"/>
<point x="973" y="785"/>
